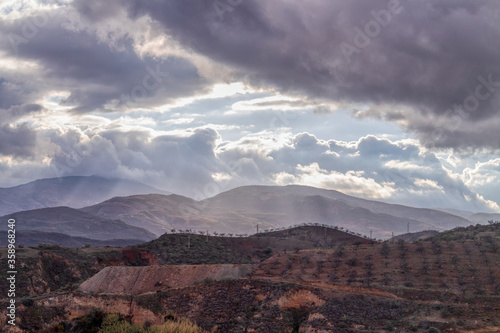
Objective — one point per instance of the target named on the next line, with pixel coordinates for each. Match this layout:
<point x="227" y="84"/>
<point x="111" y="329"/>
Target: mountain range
<point x="36" y="237"/>
<point x="75" y="192"/>
<point x="240" y="210"/>
<point x="76" y="223"/>
<point x="149" y="212"/>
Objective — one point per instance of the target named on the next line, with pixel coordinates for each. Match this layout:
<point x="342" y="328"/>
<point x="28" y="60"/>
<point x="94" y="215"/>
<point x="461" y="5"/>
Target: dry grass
<point x="113" y="324"/>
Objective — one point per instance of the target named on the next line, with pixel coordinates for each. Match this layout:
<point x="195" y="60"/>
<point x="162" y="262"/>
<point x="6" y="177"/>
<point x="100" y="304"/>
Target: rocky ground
<point x="448" y="284"/>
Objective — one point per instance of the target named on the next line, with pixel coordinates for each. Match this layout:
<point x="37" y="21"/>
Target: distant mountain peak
<point x="72" y="191"/>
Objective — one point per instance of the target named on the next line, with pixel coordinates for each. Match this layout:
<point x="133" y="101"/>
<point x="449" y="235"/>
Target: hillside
<point x="473" y="232"/>
<point x="154" y="212"/>
<point x="414" y="236"/>
<point x="241" y="209"/>
<point x="75" y="192"/>
<point x="76" y="223"/>
<point x="479" y="217"/>
<point x="52" y="268"/>
<point x="331" y="206"/>
<point x="35" y="237"/>
<point x="140" y="280"/>
<point x="483" y="218"/>
<point x="349" y="285"/>
<point x="70" y="265"/>
<point x="318" y="235"/>
<point x="174" y="249"/>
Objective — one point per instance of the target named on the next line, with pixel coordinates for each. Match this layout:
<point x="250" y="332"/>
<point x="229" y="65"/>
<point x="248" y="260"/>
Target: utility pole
<point x="371" y="234"/>
<point x="257" y="228"/>
<point x="207" y="236"/>
<point x="408" y="227"/>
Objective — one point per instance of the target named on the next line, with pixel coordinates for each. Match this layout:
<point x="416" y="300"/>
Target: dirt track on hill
<point x="346" y="289"/>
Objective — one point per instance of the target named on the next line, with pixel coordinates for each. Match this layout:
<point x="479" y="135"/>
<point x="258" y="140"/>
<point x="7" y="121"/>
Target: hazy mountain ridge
<point x="424" y="215"/>
<point x="484" y="217"/>
<point x="36" y="237"/>
<point x="75" y="192"/>
<point x="240" y="210"/>
<point x="154" y="212"/>
<point x="475" y="217"/>
<point x="76" y="223"/>
<point x="309" y="204"/>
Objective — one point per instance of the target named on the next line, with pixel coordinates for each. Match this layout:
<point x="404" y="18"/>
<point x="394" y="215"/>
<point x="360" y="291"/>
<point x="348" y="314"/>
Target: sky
<point x="390" y="100"/>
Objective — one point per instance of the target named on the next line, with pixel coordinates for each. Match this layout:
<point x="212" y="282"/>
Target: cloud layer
<point x="412" y="62"/>
<point x="384" y="99"/>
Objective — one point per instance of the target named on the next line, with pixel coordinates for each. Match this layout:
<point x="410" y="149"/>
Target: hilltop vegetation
<point x="473" y="232"/>
<point x="175" y="249"/>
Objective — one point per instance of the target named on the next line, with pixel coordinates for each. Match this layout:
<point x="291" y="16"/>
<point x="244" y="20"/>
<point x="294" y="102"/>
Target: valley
<point x="253" y="259"/>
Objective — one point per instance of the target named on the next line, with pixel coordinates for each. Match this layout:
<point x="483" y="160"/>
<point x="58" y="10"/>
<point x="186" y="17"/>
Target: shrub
<point x="296" y="316"/>
<point x="91" y="322"/>
<point x="352" y="262"/>
<point x="433" y="330"/>
<point x="268" y="251"/>
<point x="28" y="301"/>
<point x="114" y="323"/>
<point x="420" y="247"/>
<point x="385" y="250"/>
<point x="389" y="327"/>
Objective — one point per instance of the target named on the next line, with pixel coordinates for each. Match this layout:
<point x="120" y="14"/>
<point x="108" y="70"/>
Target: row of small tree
<point x="222" y="234"/>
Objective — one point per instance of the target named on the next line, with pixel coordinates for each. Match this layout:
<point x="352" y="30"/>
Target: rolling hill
<point x="175" y="249"/>
<point x="332" y="205"/>
<point x="442" y="284"/>
<point x="73" y="192"/>
<point x="478" y="217"/>
<point x="484" y="217"/>
<point x="154" y="212"/>
<point x="36" y="237"/>
<point x="76" y="223"/>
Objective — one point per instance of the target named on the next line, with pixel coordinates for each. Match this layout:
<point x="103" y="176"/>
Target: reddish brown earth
<point x="451" y="285"/>
<point x="126" y="280"/>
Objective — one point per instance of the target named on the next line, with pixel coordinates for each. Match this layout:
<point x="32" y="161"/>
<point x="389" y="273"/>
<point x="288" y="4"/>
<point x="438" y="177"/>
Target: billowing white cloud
<point x="351" y="182"/>
<point x="400" y="171"/>
<point x="484" y="177"/>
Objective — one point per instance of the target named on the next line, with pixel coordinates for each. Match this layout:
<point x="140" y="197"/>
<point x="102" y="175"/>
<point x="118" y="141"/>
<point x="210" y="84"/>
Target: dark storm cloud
<point x="17" y="111"/>
<point x="424" y="55"/>
<point x="95" y="71"/>
<point x="18" y="141"/>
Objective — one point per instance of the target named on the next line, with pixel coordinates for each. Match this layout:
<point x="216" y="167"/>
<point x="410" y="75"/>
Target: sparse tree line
<point x="223" y="234"/>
